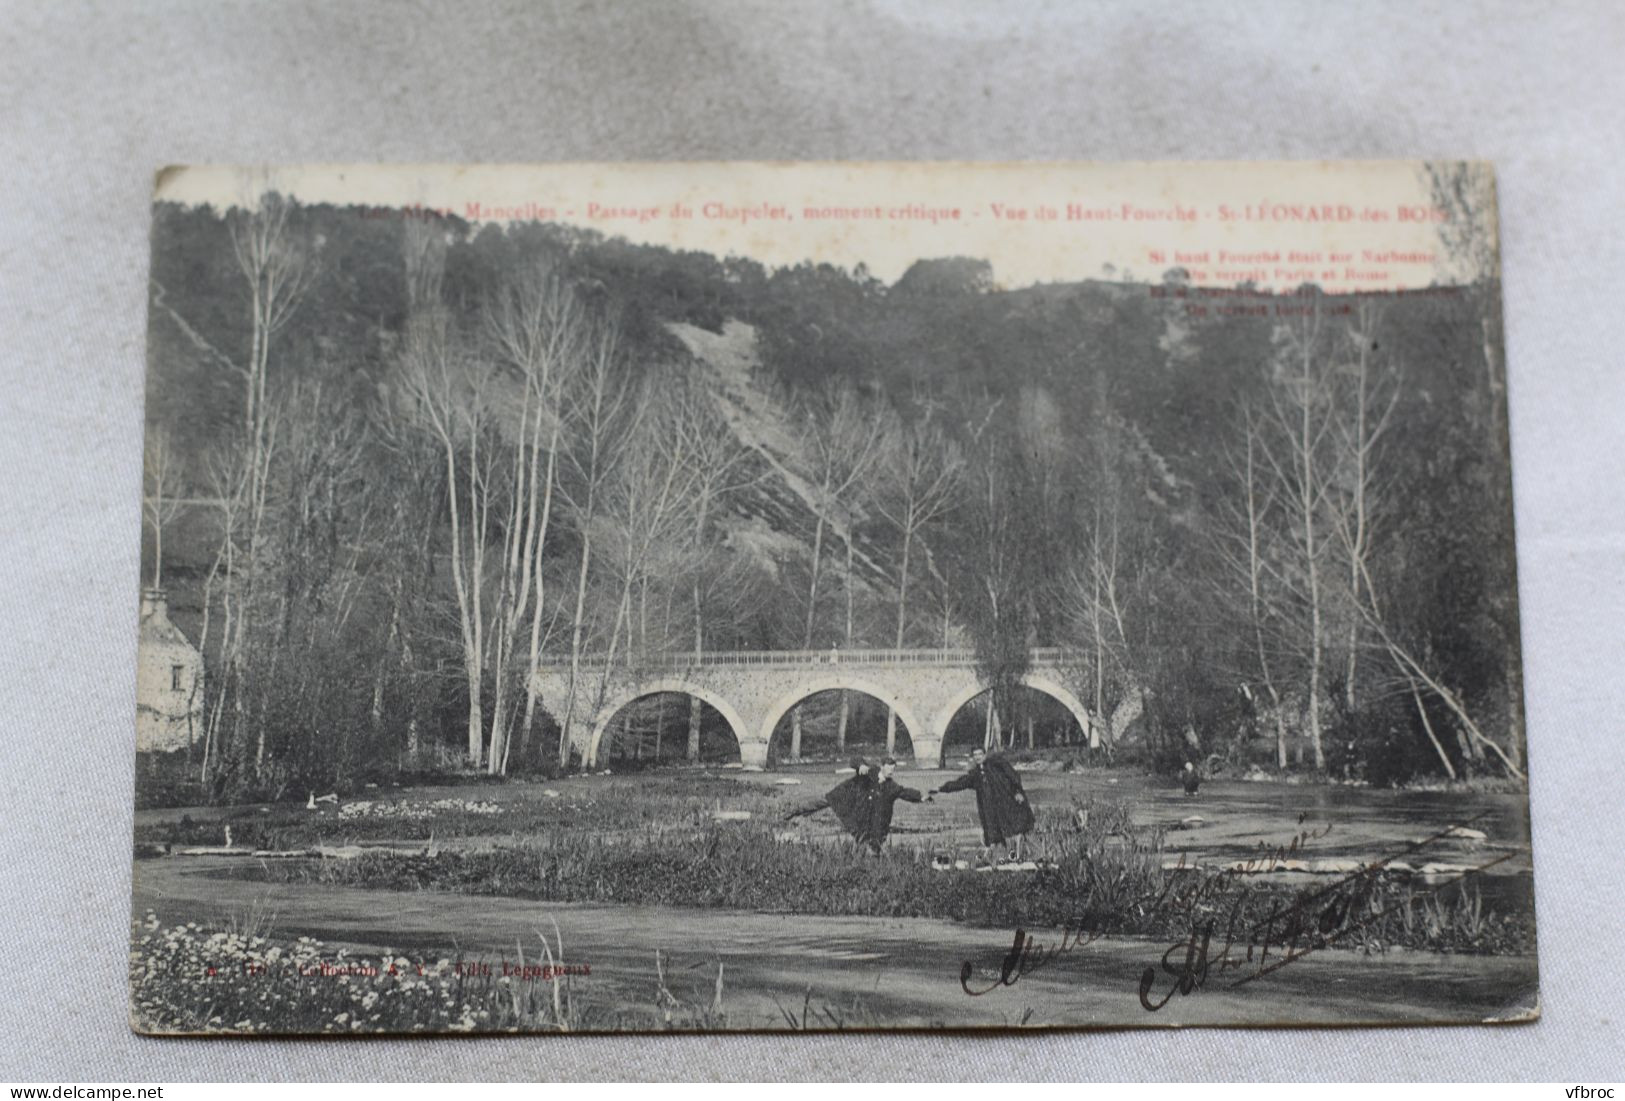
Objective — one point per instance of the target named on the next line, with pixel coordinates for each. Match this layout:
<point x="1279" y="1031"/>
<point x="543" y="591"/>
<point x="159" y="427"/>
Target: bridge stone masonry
<point x="754" y="689"/>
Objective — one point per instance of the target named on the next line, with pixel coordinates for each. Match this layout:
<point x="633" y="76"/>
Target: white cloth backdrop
<point x="96" y="97"/>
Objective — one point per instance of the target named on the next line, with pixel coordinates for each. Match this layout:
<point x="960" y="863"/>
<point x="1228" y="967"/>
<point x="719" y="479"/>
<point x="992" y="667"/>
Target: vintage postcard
<point x="827" y="596"/>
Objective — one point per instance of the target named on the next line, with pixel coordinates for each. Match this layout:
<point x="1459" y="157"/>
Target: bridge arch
<point x="626" y="697"/>
<point x="833" y="682"/>
<point x="1037" y="681"/>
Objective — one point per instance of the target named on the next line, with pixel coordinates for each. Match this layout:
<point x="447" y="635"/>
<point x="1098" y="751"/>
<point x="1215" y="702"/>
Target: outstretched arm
<point x="959" y="783"/>
<point x="806" y="809"/>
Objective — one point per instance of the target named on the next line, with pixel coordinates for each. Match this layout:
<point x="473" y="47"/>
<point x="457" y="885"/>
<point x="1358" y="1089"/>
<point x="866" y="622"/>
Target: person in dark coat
<point x="1000" y="801"/>
<point x="887" y="792"/>
<point x="852" y="800"/>
<point x="1192" y="779"/>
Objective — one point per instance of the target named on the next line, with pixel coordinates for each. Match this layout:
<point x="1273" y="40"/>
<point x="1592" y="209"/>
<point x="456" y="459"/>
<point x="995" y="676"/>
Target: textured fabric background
<point x="97" y="96"/>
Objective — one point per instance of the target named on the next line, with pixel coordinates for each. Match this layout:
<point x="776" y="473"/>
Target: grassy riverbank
<point x="804" y="931"/>
<point x="1098" y="871"/>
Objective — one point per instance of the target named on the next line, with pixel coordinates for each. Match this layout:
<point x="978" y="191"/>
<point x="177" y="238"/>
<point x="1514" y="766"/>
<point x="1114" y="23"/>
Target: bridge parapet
<point x="790" y="659"/>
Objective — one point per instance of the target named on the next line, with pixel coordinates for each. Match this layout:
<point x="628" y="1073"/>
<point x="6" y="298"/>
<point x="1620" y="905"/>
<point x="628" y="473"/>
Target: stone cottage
<point x="168" y="681"/>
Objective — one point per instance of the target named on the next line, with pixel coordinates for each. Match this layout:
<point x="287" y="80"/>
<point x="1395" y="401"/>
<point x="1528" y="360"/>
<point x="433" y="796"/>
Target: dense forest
<point x="393" y="460"/>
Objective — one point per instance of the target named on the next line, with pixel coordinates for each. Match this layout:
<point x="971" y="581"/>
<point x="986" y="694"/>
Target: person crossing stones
<point x="1190" y="778"/>
<point x="887" y="792"/>
<point x="1001" y="804"/>
<point x="852" y="800"/>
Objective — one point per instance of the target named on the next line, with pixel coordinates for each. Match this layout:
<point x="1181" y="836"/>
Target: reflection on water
<point x="1239" y="818"/>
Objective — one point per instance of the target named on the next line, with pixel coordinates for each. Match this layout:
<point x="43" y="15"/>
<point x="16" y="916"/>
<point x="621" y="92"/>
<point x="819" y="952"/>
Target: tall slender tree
<point x="916" y="479"/>
<point x="599" y="412"/>
<point x="159" y="502"/>
<point x="841" y="437"/>
<point x="538" y="333"/>
<point x="443" y="386"/>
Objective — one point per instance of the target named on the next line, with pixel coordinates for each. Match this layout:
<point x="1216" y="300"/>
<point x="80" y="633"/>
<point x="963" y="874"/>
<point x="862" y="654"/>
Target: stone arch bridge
<point x="754" y="689"/>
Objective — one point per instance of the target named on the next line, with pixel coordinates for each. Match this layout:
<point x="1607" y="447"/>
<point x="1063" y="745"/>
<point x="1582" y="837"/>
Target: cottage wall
<point x="168" y="682"/>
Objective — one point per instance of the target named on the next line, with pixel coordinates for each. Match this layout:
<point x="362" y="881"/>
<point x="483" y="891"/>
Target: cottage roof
<point x="156" y="627"/>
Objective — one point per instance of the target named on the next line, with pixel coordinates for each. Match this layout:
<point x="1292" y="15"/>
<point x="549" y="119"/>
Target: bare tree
<point x="538" y="332"/>
<point x="277" y="270"/>
<point x="942" y="595"/>
<point x="720" y="468"/>
<point x="1106" y="571"/>
<point x="228" y="483"/>
<point x="840" y="440"/>
<point x="1415" y="669"/>
<point x="1244" y="542"/>
<point x="645" y="503"/>
<point x="599" y="413"/>
<point x="996" y="576"/>
<point x="916" y="478"/>
<point x="410" y="475"/>
<point x="276" y="266"/>
<point x="1093" y="592"/>
<point x="1311" y="495"/>
<point x="1365" y="412"/>
<point x="159" y="504"/>
<point x="1300" y="413"/>
<point x="443" y="387"/>
<point x="1470" y="242"/>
